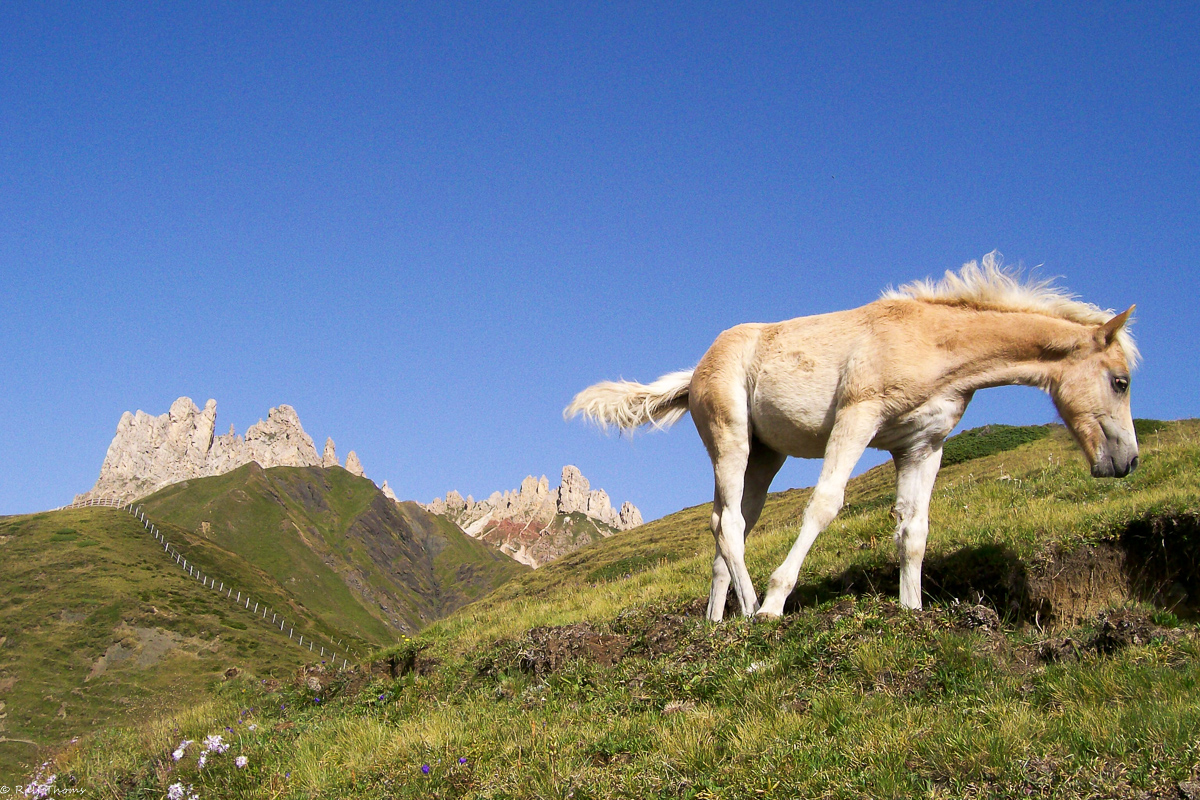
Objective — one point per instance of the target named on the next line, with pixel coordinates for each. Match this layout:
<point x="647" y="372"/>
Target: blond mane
<point x="992" y="286"/>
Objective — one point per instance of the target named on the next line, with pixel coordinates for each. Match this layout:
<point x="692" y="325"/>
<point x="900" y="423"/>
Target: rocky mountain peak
<point x="533" y="522"/>
<point x="148" y="452"/>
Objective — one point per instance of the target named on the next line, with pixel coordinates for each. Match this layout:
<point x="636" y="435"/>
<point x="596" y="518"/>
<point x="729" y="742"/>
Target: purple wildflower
<point x="425" y="768"/>
<point x="215" y="744"/>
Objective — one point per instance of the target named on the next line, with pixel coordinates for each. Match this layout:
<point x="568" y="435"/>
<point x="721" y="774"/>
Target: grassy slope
<point x="852" y="698"/>
<point x="250" y="514"/>
<point x="465" y="568"/>
<point x="319" y="532"/>
<point x="76" y="583"/>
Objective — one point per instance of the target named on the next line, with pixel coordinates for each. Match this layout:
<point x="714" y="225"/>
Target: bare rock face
<point x="630" y="516"/>
<point x="329" y="457"/>
<point x="353" y="465"/>
<point x="148" y="453"/>
<point x="536" y="524"/>
<point x="573" y="491"/>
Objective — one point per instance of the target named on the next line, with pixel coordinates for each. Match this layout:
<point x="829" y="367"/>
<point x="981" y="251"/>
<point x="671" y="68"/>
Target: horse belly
<point x="791" y="418"/>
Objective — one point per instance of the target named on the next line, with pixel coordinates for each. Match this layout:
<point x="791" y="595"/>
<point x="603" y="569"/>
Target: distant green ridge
<point x="356" y="560"/>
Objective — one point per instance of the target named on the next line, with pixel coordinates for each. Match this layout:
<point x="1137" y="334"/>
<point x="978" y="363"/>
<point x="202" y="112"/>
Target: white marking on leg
<point x="915" y="476"/>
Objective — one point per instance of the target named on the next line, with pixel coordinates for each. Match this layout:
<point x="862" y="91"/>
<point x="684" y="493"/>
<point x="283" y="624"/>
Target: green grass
<point x="988" y="440"/>
<point x="79" y="583"/>
<point x="847" y="696"/>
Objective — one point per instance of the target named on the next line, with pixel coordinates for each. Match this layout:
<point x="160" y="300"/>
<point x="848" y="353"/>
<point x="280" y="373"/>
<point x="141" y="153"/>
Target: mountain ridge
<point x="535" y="524"/>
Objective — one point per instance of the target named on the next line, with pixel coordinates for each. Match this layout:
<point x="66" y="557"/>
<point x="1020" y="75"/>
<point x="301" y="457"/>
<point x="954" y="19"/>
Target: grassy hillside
<point x="357" y="561"/>
<point x="98" y="626"/>
<point x="1069" y="668"/>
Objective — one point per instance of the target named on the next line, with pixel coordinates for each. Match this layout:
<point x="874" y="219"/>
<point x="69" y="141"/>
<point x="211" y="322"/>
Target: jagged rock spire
<point x="148" y="452"/>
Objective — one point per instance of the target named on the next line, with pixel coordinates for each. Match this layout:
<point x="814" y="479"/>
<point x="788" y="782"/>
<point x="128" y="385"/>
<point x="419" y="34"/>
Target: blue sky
<point x="426" y="227"/>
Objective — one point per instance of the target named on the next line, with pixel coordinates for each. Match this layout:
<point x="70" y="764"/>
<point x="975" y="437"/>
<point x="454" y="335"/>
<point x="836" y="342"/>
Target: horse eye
<point x="1120" y="385"/>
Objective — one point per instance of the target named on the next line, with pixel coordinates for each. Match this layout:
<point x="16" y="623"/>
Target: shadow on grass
<point x="992" y="575"/>
<point x="1154" y="559"/>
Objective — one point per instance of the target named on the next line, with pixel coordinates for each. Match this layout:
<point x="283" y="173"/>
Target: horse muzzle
<point x="1109" y="467"/>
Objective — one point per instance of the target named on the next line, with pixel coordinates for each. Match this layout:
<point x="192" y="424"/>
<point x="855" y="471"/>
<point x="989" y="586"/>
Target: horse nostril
<point x="1133" y="464"/>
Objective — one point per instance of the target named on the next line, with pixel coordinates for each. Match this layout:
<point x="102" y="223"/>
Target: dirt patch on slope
<point x="685" y="637"/>
<point x="140" y="648"/>
<point x="1112" y="632"/>
<point x="547" y="649"/>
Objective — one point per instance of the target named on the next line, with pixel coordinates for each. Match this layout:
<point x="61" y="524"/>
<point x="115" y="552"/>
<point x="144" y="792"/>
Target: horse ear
<point x="1109" y="329"/>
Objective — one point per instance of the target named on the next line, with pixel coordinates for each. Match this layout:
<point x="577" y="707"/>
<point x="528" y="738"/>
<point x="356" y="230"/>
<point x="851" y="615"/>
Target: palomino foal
<point x="895" y="375"/>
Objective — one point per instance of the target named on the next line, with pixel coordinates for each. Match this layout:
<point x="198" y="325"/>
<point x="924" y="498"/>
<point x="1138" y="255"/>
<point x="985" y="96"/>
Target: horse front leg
<point x="915" y="475"/>
<point x="853" y="430"/>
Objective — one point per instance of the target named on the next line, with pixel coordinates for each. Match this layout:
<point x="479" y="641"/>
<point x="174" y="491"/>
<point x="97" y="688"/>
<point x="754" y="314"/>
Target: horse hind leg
<point x="729" y="529"/>
<point x="719" y="592"/>
<point x="761" y="467"/>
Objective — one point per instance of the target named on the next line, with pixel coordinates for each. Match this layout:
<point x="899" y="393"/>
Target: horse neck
<point x="1003" y="348"/>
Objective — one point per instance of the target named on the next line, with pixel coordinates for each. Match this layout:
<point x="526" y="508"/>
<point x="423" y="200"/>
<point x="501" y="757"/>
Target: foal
<point x="895" y="375"/>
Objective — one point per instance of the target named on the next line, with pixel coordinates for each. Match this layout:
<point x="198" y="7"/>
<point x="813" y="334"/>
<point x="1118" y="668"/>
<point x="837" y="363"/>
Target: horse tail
<point x="628" y="405"/>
